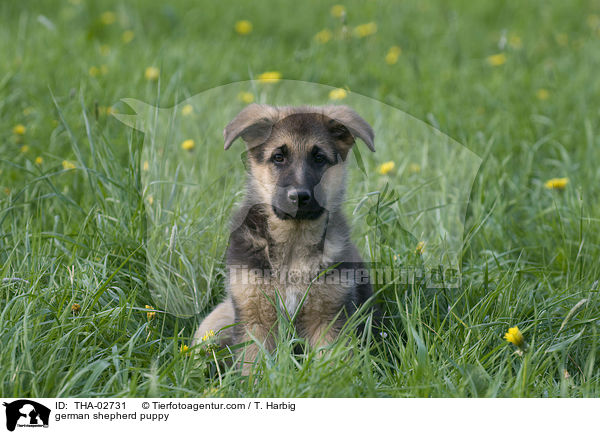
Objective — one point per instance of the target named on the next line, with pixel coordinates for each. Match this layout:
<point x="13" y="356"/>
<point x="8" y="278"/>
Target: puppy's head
<point x="297" y="155"/>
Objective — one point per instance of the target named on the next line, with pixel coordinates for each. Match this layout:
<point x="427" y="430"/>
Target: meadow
<point x="514" y="83"/>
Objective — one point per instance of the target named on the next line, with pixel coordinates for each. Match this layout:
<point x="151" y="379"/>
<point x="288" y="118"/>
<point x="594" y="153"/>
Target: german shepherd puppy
<point x="290" y="245"/>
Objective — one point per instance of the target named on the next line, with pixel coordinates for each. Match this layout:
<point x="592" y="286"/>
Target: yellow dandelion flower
<point x="188" y="145"/>
<point x="151" y="73"/>
<point x="110" y="110"/>
<point x="150" y="315"/>
<point x="323" y="36"/>
<point x="562" y="39"/>
<point x="39" y="160"/>
<point x="542" y="94"/>
<point x="593" y="21"/>
<point x="76" y="308"/>
<point x="24" y="149"/>
<point x="209" y="334"/>
<point x="94" y="71"/>
<point x="245" y="97"/>
<point x="497" y="59"/>
<point x="104" y="49"/>
<point x="365" y="30"/>
<point x="393" y="54"/>
<point x="210" y="392"/>
<point x="515" y="336"/>
<point x="19" y="129"/>
<point x="337" y="94"/>
<point x="414" y="168"/>
<point x="556" y="183"/>
<point x="146" y="165"/>
<point x="67" y="165"/>
<point x="269" y="77"/>
<point x="184" y="349"/>
<point x="108" y="17"/>
<point x="578" y="43"/>
<point x="104" y="69"/>
<point x="127" y="36"/>
<point x="386" y="167"/>
<point x="338" y="11"/>
<point x="150" y="200"/>
<point x="420" y="248"/>
<point x="243" y="27"/>
<point x="515" y="42"/>
<point x="187" y="110"/>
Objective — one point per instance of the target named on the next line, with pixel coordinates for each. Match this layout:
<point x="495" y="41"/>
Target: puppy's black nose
<point x="299" y="196"/>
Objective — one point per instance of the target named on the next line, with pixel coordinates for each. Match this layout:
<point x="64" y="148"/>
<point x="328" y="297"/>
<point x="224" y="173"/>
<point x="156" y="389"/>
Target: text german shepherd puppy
<point x="290" y="228"/>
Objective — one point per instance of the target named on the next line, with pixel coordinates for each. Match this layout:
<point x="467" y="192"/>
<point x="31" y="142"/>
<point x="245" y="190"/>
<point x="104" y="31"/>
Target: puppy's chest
<point x="294" y="272"/>
<point x="300" y="272"/>
<point x="292" y="268"/>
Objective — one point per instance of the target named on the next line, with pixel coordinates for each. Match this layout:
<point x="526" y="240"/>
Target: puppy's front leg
<point x="257" y="318"/>
<point x="322" y="334"/>
<point x="255" y="333"/>
<point x="322" y="316"/>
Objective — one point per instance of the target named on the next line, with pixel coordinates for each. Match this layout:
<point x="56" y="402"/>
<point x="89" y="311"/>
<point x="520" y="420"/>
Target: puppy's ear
<point x="347" y="120"/>
<point x="253" y="124"/>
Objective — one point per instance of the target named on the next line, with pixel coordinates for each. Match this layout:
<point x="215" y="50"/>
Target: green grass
<point x="82" y="236"/>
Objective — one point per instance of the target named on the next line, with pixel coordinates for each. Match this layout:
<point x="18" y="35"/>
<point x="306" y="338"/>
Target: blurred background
<point x="466" y="67"/>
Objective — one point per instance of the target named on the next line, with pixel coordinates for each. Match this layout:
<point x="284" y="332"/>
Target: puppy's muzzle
<point x="299" y="197"/>
<point x="298" y="204"/>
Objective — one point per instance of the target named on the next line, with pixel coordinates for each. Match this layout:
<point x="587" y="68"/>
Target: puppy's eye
<point x="320" y="158"/>
<point x="278" y="157"/>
